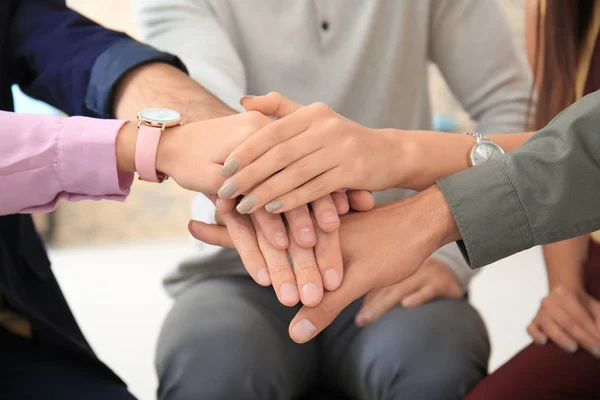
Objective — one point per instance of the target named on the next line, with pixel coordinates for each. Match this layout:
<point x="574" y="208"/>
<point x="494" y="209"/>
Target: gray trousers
<point x="226" y="338"/>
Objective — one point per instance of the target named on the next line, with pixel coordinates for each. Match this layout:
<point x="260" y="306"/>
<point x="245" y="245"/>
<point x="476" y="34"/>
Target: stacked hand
<point x="390" y="230"/>
<point x="570" y="318"/>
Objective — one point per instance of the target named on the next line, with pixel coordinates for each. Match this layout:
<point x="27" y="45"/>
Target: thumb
<point x="210" y="233"/>
<point x="310" y="321"/>
<point x="271" y="104"/>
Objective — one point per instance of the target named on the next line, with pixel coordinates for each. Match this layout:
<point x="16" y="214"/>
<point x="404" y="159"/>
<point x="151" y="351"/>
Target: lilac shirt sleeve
<point x="44" y="159"/>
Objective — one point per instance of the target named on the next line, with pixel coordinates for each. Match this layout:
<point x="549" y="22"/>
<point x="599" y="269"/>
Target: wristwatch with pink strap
<point x="152" y="122"/>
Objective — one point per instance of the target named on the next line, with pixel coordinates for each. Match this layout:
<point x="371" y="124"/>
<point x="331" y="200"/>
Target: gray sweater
<point x="367" y="59"/>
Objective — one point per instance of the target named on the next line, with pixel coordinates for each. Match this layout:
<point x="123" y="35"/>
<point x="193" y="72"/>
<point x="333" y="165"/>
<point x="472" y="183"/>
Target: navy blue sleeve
<point x="60" y="57"/>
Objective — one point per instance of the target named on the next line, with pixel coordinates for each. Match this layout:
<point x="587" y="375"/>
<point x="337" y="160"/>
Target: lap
<point x="229" y="331"/>
<point x="39" y="371"/>
<point x="543" y="372"/>
<point x="443" y="341"/>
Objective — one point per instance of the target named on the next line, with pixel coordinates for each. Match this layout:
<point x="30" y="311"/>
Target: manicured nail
<point x="541" y="341"/>
<point x="310" y="293"/>
<point x="218" y="203"/>
<point x="281" y="239"/>
<point x="248" y="96"/>
<point x="330" y="217"/>
<point x="246" y="204"/>
<point x="332" y="279"/>
<point x="289" y="293"/>
<point x="231" y="167"/>
<point x="263" y="277"/>
<point x="228" y="189"/>
<point x="307" y="235"/>
<point x="571" y="347"/>
<point x="274" y="206"/>
<point x="596" y="351"/>
<point x="303" y="331"/>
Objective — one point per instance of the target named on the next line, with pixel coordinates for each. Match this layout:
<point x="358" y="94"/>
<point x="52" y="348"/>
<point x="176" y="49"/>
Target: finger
<point x="387" y="299"/>
<point x="558" y="335"/>
<point x="244" y="237"/>
<point x="424" y="295"/>
<point x="279" y="270"/>
<point x="593" y="306"/>
<point x="224" y="206"/>
<point x="265" y="139"/>
<point x="273" y="228"/>
<point x="325" y="214"/>
<point x="329" y="258"/>
<point x="307" y="274"/>
<point x="310" y="321"/>
<point x="297" y="153"/>
<point x="581" y="317"/>
<point x="361" y="200"/>
<point x="210" y="233"/>
<point x="273" y="104"/>
<point x="301" y="226"/>
<point x="340" y="199"/>
<point x="536" y="334"/>
<point x="322" y="185"/>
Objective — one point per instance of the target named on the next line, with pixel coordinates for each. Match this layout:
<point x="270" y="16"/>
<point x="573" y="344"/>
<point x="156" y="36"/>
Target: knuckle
<point x="251" y="255"/>
<point x="320" y="108"/>
<point x="329" y="308"/>
<point x="302" y="169"/>
<point x="279" y="271"/>
<point x="254" y="119"/>
<point x="239" y="232"/>
<point x="304" y="267"/>
<point x="283" y="153"/>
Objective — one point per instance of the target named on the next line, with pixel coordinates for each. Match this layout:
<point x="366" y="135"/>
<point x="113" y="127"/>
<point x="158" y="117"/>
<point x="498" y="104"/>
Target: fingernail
<point x="228" y="189"/>
<point x="231" y="167"/>
<point x="365" y="318"/>
<point x="303" y="331"/>
<point x="246" y="204"/>
<point x="263" y="277"/>
<point x="332" y="279"/>
<point x="571" y="347"/>
<point x="219" y="203"/>
<point x="248" y="96"/>
<point x="596" y="351"/>
<point x="310" y="293"/>
<point x="307" y="235"/>
<point x="281" y="239"/>
<point x="329" y="217"/>
<point x="541" y="341"/>
<point x="274" y="206"/>
<point x="289" y="293"/>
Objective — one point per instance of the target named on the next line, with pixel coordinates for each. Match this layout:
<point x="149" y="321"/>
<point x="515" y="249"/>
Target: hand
<point x="380" y="248"/>
<point x="309" y="153"/>
<point x="267" y="264"/>
<point x="570" y="318"/>
<point x="193" y="154"/>
<point x="433" y="280"/>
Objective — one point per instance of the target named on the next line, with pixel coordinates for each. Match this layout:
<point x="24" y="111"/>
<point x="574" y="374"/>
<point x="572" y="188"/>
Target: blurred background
<point x="110" y="258"/>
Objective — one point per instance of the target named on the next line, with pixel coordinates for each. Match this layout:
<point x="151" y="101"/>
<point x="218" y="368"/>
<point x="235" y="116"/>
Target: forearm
<point x="428" y="156"/>
<point x="54" y="158"/>
<point x="161" y="85"/>
<point x="565" y="261"/>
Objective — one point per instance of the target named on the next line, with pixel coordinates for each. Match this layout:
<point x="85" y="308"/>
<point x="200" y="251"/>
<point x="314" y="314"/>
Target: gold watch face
<point x="159" y="116"/>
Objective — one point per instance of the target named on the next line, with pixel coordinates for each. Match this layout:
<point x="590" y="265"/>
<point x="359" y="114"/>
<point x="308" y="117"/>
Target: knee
<point x="221" y="367"/>
<point x="425" y="362"/>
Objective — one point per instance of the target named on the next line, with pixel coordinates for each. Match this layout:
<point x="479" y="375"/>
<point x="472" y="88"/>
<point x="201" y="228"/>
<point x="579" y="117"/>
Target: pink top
<point x="44" y="159"/>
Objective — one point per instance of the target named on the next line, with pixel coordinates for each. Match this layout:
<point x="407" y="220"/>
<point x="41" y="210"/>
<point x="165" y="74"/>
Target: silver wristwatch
<point x="484" y="150"/>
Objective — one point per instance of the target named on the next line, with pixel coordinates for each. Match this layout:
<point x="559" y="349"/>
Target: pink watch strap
<point x="145" y="153"/>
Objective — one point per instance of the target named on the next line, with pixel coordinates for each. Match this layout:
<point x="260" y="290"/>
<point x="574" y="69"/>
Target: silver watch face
<point x="485" y="151"/>
<point x="159" y="115"/>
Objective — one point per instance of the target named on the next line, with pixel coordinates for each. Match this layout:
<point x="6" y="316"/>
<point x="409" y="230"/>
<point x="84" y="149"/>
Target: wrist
<point x="167" y="150"/>
<point x="402" y="154"/>
<point x="125" y="145"/>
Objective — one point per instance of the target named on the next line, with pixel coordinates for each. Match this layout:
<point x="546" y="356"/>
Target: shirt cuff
<point x="87" y="159"/>
<point x="488" y="213"/>
<point x="112" y="65"/>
